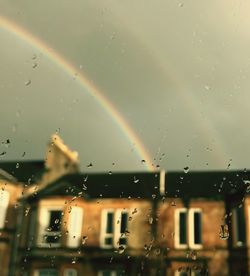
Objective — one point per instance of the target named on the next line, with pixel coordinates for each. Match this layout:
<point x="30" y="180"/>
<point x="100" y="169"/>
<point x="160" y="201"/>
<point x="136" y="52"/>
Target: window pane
<point x="124" y="221"/>
<point x="183" y="228"/>
<point x="55" y="220"/>
<point x="240" y="226"/>
<point x="110" y="219"/>
<point x="109" y="241"/>
<point x="197" y="228"/>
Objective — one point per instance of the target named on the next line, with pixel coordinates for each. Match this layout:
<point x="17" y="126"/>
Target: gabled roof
<point x="24" y="171"/>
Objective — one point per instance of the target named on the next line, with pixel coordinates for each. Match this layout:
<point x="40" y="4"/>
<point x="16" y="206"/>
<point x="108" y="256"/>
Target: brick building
<point x="56" y="220"/>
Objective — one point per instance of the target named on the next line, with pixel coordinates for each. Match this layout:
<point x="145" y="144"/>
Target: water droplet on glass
<point x="90" y="165"/>
<point x="84" y="239"/>
<point x="110" y="172"/>
<point x="121" y="249"/>
<point x="224" y="232"/>
<point x="150" y="220"/>
<point x="207" y="87"/>
<point x="136" y="180"/>
<point x="135" y="211"/>
<point x="28" y="82"/>
<point x="186" y="169"/>
<point x="17" y="165"/>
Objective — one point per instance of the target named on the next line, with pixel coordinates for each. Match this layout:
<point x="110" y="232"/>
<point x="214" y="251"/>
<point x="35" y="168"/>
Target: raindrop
<point x="56" y="221"/>
<point x="150" y="220"/>
<point x="121" y="249"/>
<point x="27" y="82"/>
<point x="186" y="169"/>
<point x="17" y="165"/>
<point x="136" y="180"/>
<point x="90" y="165"/>
<point x="3" y="153"/>
<point x="110" y="172"/>
<point x="143" y="161"/>
<point x="23" y="154"/>
<point x="135" y="211"/>
<point x="34" y="65"/>
<point x="84" y="239"/>
<point x="207" y="87"/>
<point x="7" y="142"/>
<point x="224" y="232"/>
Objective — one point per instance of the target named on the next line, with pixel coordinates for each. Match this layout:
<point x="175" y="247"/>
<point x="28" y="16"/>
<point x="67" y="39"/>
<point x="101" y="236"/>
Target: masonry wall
<point x="213" y="254"/>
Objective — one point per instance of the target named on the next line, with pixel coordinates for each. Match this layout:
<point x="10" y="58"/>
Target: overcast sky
<point x="178" y="72"/>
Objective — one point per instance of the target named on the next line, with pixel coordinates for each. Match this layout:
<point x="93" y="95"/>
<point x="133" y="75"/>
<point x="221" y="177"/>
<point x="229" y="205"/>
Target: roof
<point x="205" y="183"/>
<point x="24" y="171"/>
<point x="104" y="185"/>
<point x="212" y="184"/>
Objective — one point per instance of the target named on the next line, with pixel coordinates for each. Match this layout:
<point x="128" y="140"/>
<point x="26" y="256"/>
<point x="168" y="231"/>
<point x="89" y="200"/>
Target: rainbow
<point x="35" y="42"/>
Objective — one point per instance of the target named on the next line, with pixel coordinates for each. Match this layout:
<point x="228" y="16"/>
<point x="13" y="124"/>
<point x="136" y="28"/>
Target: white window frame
<point x="116" y="235"/>
<point x="191" y="241"/>
<point x="189" y="229"/>
<point x="4" y="203"/>
<point x="75" y="231"/>
<point x="42" y="232"/>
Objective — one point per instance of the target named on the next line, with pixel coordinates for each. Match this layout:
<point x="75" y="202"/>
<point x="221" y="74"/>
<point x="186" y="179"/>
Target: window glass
<point x="197" y="227"/>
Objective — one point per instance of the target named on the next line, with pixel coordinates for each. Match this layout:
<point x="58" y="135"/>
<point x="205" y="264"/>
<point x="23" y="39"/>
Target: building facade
<point x="56" y="220"/>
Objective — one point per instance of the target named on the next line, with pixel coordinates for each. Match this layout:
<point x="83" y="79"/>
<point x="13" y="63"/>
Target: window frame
<point x="116" y="234"/>
<point x="190" y="228"/>
<point x="5" y="205"/>
<point x="41" y="232"/>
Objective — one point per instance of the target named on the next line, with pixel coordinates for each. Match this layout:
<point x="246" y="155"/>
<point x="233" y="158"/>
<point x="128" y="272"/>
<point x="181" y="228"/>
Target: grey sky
<point x="178" y="71"/>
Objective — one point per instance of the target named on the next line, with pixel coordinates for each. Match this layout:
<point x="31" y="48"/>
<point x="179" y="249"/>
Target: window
<point x="46" y="272"/>
<point x="113" y="228"/>
<point x="70" y="272"/>
<point x="239" y="231"/>
<point x="188" y="228"/>
<point x="4" y="203"/>
<point x="50" y="220"/>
